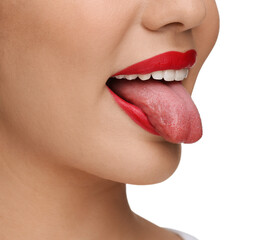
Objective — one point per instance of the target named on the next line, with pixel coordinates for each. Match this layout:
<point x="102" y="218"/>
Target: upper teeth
<point x="167" y="75"/>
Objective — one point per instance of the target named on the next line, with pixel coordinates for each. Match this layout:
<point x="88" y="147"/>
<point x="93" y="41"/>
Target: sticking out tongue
<point x="168" y="106"/>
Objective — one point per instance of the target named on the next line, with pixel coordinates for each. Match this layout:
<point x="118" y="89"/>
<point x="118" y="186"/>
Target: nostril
<point x="176" y="26"/>
<point x="177" y="15"/>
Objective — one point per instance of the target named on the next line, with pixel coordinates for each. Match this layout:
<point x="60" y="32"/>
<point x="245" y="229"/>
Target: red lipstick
<point x="168" y="60"/>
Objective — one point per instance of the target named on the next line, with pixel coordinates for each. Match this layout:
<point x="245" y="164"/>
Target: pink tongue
<point x="168" y="107"/>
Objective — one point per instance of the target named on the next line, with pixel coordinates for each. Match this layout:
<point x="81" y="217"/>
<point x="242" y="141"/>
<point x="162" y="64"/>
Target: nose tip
<point x="177" y="15"/>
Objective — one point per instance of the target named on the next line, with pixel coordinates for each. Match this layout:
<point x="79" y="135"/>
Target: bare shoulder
<point x="150" y="231"/>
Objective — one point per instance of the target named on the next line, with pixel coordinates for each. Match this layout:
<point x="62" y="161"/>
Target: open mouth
<point x="160" y="106"/>
<point x="165" y="76"/>
<point x="110" y="81"/>
<point x="152" y="94"/>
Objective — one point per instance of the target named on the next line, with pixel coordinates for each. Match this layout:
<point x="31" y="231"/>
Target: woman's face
<point x="55" y="59"/>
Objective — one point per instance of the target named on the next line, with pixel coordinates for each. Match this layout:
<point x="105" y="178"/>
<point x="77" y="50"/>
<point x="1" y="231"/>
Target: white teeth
<point x="181" y="74"/>
<point x="144" y="76"/>
<point x="120" y="76"/>
<point x="130" y="77"/>
<point x="158" y="75"/>
<point x="167" y="75"/>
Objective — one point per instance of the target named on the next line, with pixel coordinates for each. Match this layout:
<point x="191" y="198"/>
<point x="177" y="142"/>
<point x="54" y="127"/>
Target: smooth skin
<point x="67" y="150"/>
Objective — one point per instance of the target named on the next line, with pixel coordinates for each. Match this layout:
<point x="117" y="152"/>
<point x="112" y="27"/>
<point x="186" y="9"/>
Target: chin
<point x="156" y="163"/>
<point x="137" y="161"/>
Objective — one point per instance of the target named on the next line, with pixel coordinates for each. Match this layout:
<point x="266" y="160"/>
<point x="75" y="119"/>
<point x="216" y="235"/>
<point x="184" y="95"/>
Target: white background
<point x="226" y="185"/>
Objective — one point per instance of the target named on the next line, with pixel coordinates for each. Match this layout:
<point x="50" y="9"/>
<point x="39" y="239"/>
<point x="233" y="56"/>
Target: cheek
<point x="59" y="56"/>
<point x="87" y="32"/>
<point x="84" y="31"/>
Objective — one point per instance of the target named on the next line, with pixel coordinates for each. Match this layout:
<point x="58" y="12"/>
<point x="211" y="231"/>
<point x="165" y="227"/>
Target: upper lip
<point x="168" y="60"/>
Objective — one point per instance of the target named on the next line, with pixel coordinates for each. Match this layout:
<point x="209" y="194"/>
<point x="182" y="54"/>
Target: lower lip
<point x="135" y="113"/>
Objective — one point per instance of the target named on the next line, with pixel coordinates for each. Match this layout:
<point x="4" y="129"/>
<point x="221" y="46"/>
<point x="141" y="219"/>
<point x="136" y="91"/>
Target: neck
<point x="38" y="198"/>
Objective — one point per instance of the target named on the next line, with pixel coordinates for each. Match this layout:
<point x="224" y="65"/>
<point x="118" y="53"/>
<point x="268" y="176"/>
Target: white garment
<point x="184" y="235"/>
